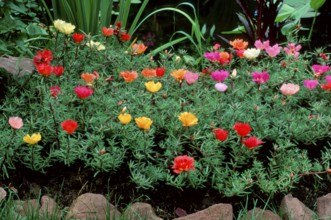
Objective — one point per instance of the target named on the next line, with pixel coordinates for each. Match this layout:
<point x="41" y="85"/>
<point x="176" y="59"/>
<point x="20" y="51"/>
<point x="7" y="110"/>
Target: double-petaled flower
<point x="69" y="126"/>
<point x="188" y="119"/>
<point x="15" y="122"/>
<point x="242" y="129"/>
<point x="183" y="164"/>
<point x="129" y="76"/>
<point x="83" y="92"/>
<point x="251" y="142"/>
<point x="144" y="123"/>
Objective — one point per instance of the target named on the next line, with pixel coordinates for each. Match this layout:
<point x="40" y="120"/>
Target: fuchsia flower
<point x="310" y="84"/>
<point x="222" y="87"/>
<point x="320" y="69"/>
<point x="190" y="77"/>
<point x="261" y="46"/>
<point x="293" y="50"/>
<point x="289" y="89"/>
<point x="273" y="51"/>
<point x="328" y="78"/>
<point x="260" y="77"/>
<point x="55" y="90"/>
<point x="83" y="92"/>
<point x="220" y="76"/>
<point x="212" y="56"/>
<point x="15" y="122"/>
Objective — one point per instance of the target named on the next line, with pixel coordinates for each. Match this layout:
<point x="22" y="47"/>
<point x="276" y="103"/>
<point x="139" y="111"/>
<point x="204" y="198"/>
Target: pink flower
<point x="293" y="50"/>
<point x="310" y="84"/>
<point x="328" y="78"/>
<point x="216" y="46"/>
<point x="221" y="87"/>
<point x="83" y="92"/>
<point x="289" y="89"/>
<point x="261" y="46"/>
<point x="212" y="56"/>
<point x="260" y="77"/>
<point x="273" y="51"/>
<point x="55" y="90"/>
<point x="320" y="69"/>
<point x="220" y="76"/>
<point x="191" y="78"/>
<point x="15" y="122"/>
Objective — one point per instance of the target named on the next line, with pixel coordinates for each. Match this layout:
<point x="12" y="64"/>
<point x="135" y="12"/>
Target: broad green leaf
<point x="284" y="13"/>
<point x="212" y="30"/>
<point x="203" y="29"/>
<point x="33" y="29"/>
<point x="238" y="30"/>
<point x="316" y="4"/>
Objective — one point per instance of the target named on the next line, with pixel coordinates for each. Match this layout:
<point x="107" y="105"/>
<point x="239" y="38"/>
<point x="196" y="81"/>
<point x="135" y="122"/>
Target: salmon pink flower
<point x="15" y="122"/>
<point x="69" y="126"/>
<point x="310" y="84"/>
<point x="220" y="76"/>
<point x="55" y="90"/>
<point x="220" y="134"/>
<point x="129" y="76"/>
<point x="273" y="51"/>
<point x="239" y="44"/>
<point x="326" y="86"/>
<point x="44" y="69"/>
<point x="289" y="89"/>
<point x="107" y="32"/>
<point x="221" y="87"/>
<point x="190" y="77"/>
<point x="224" y="58"/>
<point x="320" y="69"/>
<point x="88" y="77"/>
<point x="58" y="70"/>
<point x="178" y="74"/>
<point x="251" y="142"/>
<point x="293" y="50"/>
<point x="148" y="73"/>
<point x="160" y="71"/>
<point x="242" y="129"/>
<point x="260" y="77"/>
<point x="78" y="38"/>
<point x="43" y="57"/>
<point x="216" y="46"/>
<point x="188" y="119"/>
<point x="183" y="163"/>
<point x="138" y="49"/>
<point x="83" y="92"/>
<point x="261" y="45"/>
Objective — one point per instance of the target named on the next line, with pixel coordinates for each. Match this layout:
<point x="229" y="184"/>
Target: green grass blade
<point x="138" y="15"/>
<point x="106" y="11"/>
<point x="47" y="11"/>
<point x="169" y="44"/>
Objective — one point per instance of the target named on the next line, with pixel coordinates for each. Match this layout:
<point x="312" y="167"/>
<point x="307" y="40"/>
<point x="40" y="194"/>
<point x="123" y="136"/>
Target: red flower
<point x="43" y="57"/>
<point x="220" y="134"/>
<point x="242" y="129"/>
<point x="69" y="126"/>
<point x="251" y="142"/>
<point x="78" y="37"/>
<point x="125" y="36"/>
<point x="160" y="71"/>
<point x="58" y="70"/>
<point x="225" y="58"/>
<point x="183" y="163"/>
<point x="107" y="32"/>
<point x="83" y="92"/>
<point x="44" y="69"/>
<point x="240" y="53"/>
<point x="55" y="90"/>
<point x="326" y="86"/>
<point x="118" y="24"/>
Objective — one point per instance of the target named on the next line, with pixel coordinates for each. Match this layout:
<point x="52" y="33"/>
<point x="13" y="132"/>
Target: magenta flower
<point x="212" y="56"/>
<point x="260" y="77"/>
<point x="273" y="51"/>
<point x="320" y="69"/>
<point x="83" y="92"/>
<point x="289" y="89"/>
<point x="261" y="46"/>
<point x="220" y="76"/>
<point x="221" y="87"/>
<point x="191" y="78"/>
<point x="293" y="50"/>
<point x="310" y="84"/>
<point x="328" y="78"/>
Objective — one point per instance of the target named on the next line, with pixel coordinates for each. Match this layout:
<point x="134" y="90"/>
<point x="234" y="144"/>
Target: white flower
<point x="64" y="27"/>
<point x="96" y="44"/>
<point x="252" y="53"/>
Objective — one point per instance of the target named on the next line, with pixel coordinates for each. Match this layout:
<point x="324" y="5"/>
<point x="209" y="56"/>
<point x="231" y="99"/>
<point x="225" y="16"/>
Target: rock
<point x="92" y="206"/>
<point x="3" y="194"/>
<point x="49" y="208"/>
<point x="140" y="210"/>
<point x="25" y="208"/>
<point x="293" y="209"/>
<point x="324" y="206"/>
<point x="214" y="212"/>
<point x="260" y="214"/>
<point x="16" y="65"/>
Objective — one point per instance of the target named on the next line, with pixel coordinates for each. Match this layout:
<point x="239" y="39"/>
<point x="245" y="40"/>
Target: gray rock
<point x="324" y="207"/>
<point x="49" y="208"/>
<point x="25" y="208"/>
<point x="214" y="212"/>
<point x="140" y="210"/>
<point x="293" y="209"/>
<point x="92" y="206"/>
<point x="260" y="214"/>
<point x="3" y="194"/>
<point x="16" y="65"/>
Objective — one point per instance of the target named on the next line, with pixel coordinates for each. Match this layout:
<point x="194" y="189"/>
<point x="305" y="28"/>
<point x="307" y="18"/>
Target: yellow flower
<point x="125" y="118"/>
<point x="153" y="87"/>
<point x="178" y="74"/>
<point x="188" y="119"/>
<point x="96" y="44"/>
<point x="144" y="122"/>
<point x="64" y="27"/>
<point x="33" y="139"/>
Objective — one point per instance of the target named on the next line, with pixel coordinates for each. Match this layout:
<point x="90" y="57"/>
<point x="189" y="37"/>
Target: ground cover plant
<point x="248" y="118"/>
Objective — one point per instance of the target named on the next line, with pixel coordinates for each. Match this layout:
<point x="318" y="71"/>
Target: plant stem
<point x="55" y="126"/>
<point x="68" y="151"/>
<point x="32" y="157"/>
<point x="312" y="27"/>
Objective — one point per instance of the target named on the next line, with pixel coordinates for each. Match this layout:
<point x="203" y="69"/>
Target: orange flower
<point x="225" y="58"/>
<point x="148" y="73"/>
<point x="239" y="44"/>
<point x="144" y="123"/>
<point x="178" y="74"/>
<point x="129" y="76"/>
<point x="88" y="77"/>
<point x="138" y="49"/>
